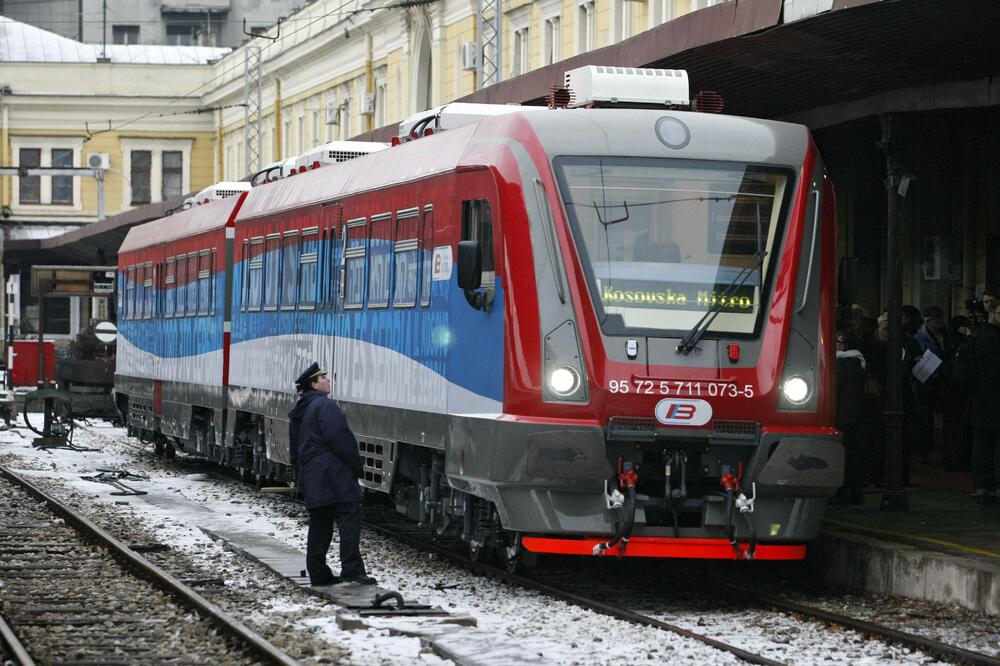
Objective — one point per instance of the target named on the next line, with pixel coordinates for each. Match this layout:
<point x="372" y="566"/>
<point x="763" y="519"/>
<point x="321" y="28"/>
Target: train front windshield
<point x="664" y="241"/>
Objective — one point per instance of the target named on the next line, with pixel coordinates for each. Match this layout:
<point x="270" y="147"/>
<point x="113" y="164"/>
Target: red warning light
<point x="734" y="352"/>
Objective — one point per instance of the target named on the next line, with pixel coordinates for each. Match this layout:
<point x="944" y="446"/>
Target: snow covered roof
<point x="20" y="42"/>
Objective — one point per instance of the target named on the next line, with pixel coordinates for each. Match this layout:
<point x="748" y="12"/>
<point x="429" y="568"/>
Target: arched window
<point x="424" y="97"/>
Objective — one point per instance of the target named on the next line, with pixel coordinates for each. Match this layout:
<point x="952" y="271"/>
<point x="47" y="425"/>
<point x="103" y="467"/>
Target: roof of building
<point x="20" y="42"/>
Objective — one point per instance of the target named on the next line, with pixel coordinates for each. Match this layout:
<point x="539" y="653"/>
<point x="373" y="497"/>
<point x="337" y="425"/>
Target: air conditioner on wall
<point x="470" y="55"/>
<point x="98" y="161"/>
<point x="367" y="104"/>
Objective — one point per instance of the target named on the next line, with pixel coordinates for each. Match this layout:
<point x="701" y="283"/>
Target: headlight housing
<point x="796" y="390"/>
<point x="564" y="380"/>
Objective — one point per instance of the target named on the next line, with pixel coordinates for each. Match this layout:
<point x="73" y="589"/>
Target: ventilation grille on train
<point x="735" y="428"/>
<point x="343" y="155"/>
<point x="373" y="461"/>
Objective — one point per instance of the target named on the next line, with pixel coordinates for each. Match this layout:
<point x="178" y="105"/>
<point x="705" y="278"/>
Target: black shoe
<point x="328" y="580"/>
<point x="360" y="580"/>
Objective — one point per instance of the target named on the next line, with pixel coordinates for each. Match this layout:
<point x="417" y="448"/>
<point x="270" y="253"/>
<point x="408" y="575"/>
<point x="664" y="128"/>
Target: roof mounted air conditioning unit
<point x="595" y="84"/>
<point x="334" y="152"/>
<point x="98" y="161"/>
<point x="220" y="191"/>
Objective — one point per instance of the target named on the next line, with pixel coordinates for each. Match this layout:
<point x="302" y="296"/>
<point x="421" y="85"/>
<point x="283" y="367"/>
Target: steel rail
<point x="230" y="625"/>
<point x="14" y="645"/>
<point x="579" y="600"/>
<point x="928" y="645"/>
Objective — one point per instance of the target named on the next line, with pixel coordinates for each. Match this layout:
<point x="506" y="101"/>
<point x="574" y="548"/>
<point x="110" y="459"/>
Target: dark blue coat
<point x="324" y="451"/>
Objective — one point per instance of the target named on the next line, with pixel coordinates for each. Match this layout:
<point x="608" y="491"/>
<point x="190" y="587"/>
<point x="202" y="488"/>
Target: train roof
<point x="182" y="224"/>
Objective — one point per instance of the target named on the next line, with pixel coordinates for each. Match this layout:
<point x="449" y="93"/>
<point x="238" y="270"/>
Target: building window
<point x="173" y="174"/>
<point x="345" y="119"/>
<point x="521" y="57"/>
<point x="586" y="27"/>
<point x="315" y="128"/>
<point x="58" y="316"/>
<point x="62" y="186"/>
<point x="286" y="141"/>
<point x="625" y="18"/>
<point x="406" y="257"/>
<point x="125" y="34"/>
<point x="142" y="162"/>
<point x="381" y="96"/>
<point x="180" y="34"/>
<point x="30" y="187"/>
<point x="302" y="135"/>
<point x="552" y="39"/>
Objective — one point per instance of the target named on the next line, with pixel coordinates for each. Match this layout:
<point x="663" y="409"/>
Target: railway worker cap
<point x="312" y="373"/>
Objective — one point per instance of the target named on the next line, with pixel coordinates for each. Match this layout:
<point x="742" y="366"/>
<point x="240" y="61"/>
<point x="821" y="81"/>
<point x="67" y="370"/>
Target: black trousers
<point x="986" y="458"/>
<point x="347" y="516"/>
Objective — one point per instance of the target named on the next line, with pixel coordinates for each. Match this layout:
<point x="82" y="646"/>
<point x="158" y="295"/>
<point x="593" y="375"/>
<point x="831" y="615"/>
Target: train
<point x="604" y="327"/>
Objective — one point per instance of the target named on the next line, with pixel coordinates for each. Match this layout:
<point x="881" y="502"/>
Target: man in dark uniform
<point x="985" y="408"/>
<point x="325" y="456"/>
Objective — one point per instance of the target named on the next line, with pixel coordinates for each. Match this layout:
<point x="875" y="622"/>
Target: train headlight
<point x="564" y="380"/>
<point x="796" y="390"/>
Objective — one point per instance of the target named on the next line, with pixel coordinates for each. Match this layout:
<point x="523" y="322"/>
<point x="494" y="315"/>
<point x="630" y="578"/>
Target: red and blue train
<point x="582" y="331"/>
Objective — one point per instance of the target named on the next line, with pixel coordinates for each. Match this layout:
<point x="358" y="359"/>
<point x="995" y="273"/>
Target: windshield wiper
<point x="690" y="341"/>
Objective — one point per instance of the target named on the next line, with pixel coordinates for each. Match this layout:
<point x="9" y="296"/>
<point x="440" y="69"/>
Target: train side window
<point x="426" y="255"/>
<point x="192" y="284"/>
<point x="204" y="282"/>
<point x="272" y="271"/>
<point x="477" y="224"/>
<point x="308" y="269"/>
<point x="180" y="288"/>
<point x="170" y="287"/>
<point x="289" y="269"/>
<point x="135" y="302"/>
<point x="148" y="292"/>
<point x="211" y="283"/>
<point x="353" y="288"/>
<point x="321" y="263"/>
<point x="405" y="251"/>
<point x="379" y="260"/>
<point x="334" y="278"/>
<point x="255" y="274"/>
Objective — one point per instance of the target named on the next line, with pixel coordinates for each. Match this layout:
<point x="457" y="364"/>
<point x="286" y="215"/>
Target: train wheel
<point x="509" y="550"/>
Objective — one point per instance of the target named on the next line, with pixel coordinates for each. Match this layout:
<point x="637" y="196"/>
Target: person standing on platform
<point x="984" y="407"/>
<point x="325" y="457"/>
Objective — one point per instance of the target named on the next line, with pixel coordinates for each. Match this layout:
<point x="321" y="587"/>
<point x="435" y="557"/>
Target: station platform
<point x="945" y="548"/>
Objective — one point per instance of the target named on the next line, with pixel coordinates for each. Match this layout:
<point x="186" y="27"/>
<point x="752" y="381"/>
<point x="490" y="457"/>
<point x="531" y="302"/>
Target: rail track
<point x="561" y="588"/>
<point x="73" y="592"/>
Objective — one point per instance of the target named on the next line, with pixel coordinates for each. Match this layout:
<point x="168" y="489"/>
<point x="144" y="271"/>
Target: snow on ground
<point x="548" y="630"/>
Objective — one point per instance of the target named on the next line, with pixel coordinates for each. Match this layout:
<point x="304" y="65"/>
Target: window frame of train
<point x="289" y="289"/>
<point x="148" y="291"/>
<point x="426" y="255"/>
<point x="191" y="286"/>
<point x="169" y="287"/>
<point x="272" y="265"/>
<point x="130" y="292"/>
<point x="384" y="258"/>
<point x="477" y="225"/>
<point x="205" y="265"/>
<point x="406" y="247"/>
<point x="356" y="254"/>
<point x="309" y="234"/>
<point x="255" y="265"/>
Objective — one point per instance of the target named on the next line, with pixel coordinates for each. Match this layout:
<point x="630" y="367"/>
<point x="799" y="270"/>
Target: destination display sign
<point x="677" y="296"/>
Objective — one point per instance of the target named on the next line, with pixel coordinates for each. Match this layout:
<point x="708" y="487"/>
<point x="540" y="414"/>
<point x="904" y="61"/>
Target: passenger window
<point x="406" y="252"/>
<point x="380" y="260"/>
<point x="181" y="289"/>
<point x="170" y="288"/>
<point x="255" y="274"/>
<point x="289" y="269"/>
<point x="204" y="282"/>
<point x="244" y="262"/>
<point x="148" y="291"/>
<point x="272" y="271"/>
<point x="353" y="288"/>
<point x="136" y="305"/>
<point x="192" y="284"/>
<point x="427" y="256"/>
<point x="477" y="224"/>
<point x="308" y="269"/>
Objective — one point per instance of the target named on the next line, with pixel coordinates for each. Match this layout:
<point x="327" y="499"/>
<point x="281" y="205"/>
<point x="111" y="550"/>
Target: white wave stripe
<point x="363" y="372"/>
<point x="201" y="369"/>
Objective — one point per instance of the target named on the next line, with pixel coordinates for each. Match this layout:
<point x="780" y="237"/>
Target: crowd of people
<point x="951" y="385"/>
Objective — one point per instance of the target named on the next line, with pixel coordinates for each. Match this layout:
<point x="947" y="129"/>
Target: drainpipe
<point x="277" y="120"/>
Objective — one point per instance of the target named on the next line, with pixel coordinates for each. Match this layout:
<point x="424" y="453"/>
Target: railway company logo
<point x="682" y="412"/>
